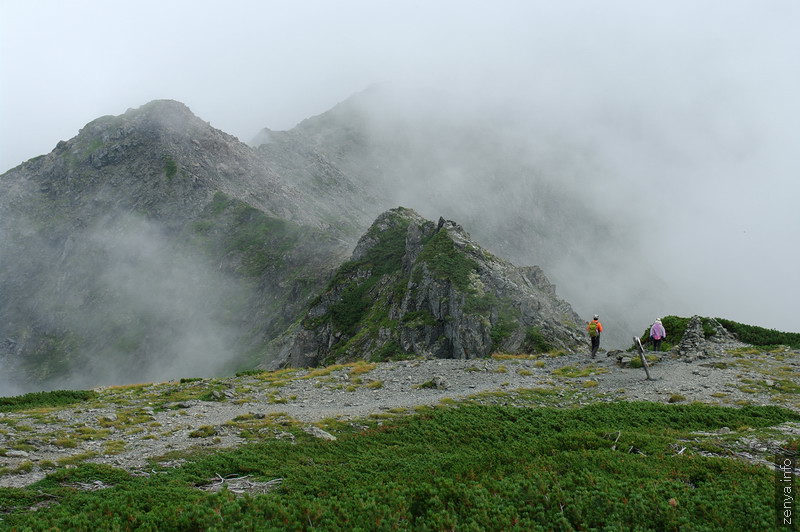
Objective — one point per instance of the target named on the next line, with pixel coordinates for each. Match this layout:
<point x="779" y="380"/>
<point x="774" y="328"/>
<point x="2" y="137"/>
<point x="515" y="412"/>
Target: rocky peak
<point x="162" y="159"/>
<point x="390" y="221"/>
<point x="165" y="110"/>
<point x="416" y="288"/>
<point x="159" y="118"/>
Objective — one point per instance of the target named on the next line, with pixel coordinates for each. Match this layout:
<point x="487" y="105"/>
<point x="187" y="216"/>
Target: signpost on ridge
<point x="638" y="343"/>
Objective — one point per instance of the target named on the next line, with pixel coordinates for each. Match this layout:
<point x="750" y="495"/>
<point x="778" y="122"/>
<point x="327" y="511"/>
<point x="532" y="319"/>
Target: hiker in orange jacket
<point x="594" y="328"/>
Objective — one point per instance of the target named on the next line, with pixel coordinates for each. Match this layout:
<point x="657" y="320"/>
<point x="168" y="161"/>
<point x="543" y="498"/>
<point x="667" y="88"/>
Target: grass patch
<point x="636" y="361"/>
<point x="322" y="372"/>
<point x="359" y="368"/>
<point x="66" y="443"/>
<point x="574" y="372"/>
<point x="204" y="431"/>
<point x="76" y="458"/>
<point x="508" y="356"/>
<point x="718" y="365"/>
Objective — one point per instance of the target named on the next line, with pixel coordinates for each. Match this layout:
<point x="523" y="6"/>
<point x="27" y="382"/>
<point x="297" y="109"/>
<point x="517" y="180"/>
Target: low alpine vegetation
<point x="605" y="466"/>
<point x="760" y="336"/>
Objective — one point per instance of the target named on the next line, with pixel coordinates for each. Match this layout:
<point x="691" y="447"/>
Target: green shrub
<point x="384" y="257"/>
<point x="446" y="261"/>
<point x="675" y="327"/>
<point x="390" y="351"/>
<point x="480" y="304"/>
<point x="501" y="330"/>
<point x="170" y="167"/>
<point x="535" y="341"/>
<point x="45" y="399"/>
<point x="760" y="336"/>
<point x="419" y="318"/>
<point x="348" y="312"/>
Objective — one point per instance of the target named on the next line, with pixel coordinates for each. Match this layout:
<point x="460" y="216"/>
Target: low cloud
<point x="125" y="302"/>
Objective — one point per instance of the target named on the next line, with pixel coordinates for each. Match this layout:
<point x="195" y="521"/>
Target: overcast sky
<point x="690" y="107"/>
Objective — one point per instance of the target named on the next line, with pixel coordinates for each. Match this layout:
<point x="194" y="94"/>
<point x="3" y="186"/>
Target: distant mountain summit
<point x="154" y="246"/>
<point x="416" y="288"/>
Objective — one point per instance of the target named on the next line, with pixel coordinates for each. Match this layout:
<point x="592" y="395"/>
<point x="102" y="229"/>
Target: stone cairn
<point x="695" y="345"/>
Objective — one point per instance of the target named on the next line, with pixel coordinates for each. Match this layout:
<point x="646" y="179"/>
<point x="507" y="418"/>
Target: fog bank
<point x="677" y="120"/>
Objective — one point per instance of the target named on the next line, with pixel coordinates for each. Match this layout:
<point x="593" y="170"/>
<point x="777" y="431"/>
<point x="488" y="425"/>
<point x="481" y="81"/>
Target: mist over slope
<point x="152" y="246"/>
<point x="522" y="190"/>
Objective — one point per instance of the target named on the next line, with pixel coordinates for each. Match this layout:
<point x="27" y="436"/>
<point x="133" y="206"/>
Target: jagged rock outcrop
<point x="705" y="337"/>
<point x="416" y="288"/>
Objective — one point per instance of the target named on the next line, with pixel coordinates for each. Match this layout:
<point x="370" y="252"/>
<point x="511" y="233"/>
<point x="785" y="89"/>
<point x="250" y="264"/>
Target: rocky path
<point x="134" y="426"/>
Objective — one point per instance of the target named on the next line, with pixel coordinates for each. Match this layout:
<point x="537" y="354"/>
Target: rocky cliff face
<point x="416" y="288"/>
<point x="153" y="246"/>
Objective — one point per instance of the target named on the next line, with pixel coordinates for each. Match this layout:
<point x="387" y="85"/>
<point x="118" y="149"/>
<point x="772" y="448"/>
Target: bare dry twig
<point x="241" y="485"/>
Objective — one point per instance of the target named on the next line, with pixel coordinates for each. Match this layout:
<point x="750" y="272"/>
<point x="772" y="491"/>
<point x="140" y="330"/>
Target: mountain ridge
<point x="106" y="240"/>
<point x="159" y="230"/>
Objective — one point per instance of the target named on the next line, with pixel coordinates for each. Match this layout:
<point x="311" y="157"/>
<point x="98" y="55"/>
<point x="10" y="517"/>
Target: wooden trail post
<point x="639" y="348"/>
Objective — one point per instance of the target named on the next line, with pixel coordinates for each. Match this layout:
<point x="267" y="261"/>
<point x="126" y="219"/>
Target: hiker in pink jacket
<point x="657" y="333"/>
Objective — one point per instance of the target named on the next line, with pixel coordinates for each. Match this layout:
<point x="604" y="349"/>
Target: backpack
<point x="593" y="329"/>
